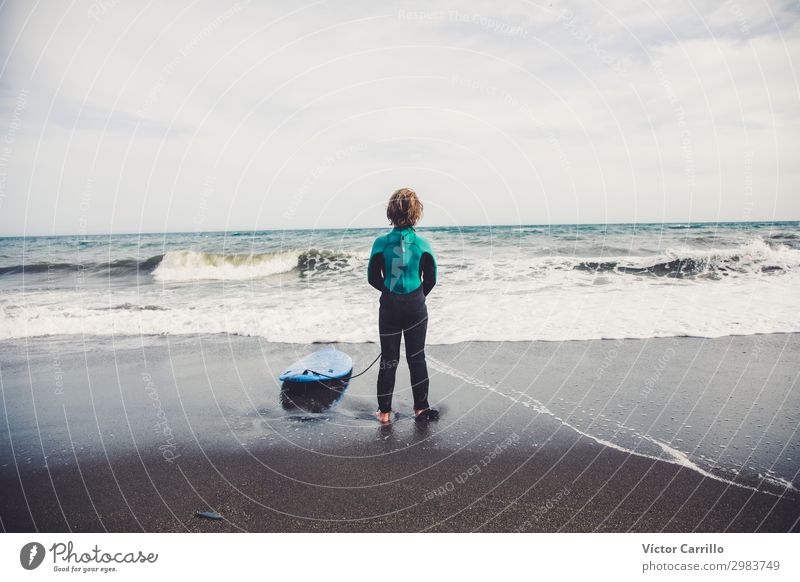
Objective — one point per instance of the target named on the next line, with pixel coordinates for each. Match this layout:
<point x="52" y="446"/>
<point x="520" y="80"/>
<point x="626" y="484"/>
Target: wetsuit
<point x="402" y="267"/>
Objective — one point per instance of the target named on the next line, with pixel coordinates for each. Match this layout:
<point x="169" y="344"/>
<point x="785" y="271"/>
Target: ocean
<point x="734" y="418"/>
<point x="496" y="283"/>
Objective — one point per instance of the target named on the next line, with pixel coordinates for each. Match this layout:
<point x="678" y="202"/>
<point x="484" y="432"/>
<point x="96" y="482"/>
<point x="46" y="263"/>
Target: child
<point x="403" y="269"/>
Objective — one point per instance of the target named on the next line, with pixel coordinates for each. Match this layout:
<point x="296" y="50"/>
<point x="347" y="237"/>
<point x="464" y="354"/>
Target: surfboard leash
<point x="351" y="377"/>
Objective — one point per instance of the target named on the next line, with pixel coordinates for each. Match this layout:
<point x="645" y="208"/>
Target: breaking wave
<point x="194" y="265"/>
<point x="754" y="257"/>
<point x="185" y="265"/>
<point x="119" y="267"/>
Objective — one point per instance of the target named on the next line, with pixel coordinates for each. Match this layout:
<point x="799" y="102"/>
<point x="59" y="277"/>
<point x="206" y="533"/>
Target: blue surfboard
<point x="329" y="362"/>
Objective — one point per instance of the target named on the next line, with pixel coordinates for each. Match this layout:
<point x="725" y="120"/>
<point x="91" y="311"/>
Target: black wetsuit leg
<point x="405" y="315"/>
<point x="414" y="334"/>
<point x="391" y="331"/>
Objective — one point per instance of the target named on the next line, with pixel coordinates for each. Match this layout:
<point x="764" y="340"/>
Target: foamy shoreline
<point x="495" y="284"/>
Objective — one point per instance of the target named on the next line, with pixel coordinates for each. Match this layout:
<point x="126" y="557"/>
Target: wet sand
<point x="534" y="436"/>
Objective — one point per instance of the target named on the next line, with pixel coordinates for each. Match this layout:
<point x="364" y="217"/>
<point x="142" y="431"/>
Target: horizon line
<point x="511" y="225"/>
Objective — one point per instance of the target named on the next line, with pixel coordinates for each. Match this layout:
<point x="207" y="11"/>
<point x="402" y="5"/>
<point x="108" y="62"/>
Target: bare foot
<point x="384" y="417"/>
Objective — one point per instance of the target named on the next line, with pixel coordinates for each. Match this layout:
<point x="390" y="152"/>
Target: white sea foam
<point x="752" y="255"/>
<point x="194" y="265"/>
<point x="345" y="309"/>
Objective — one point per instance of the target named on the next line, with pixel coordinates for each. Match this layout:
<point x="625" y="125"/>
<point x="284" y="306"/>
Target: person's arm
<point x="375" y="271"/>
<point x="427" y="266"/>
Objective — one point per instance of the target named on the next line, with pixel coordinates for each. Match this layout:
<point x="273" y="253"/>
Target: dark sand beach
<point x="673" y="434"/>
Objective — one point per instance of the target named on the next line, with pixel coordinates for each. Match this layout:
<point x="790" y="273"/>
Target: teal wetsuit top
<point x="401" y="261"/>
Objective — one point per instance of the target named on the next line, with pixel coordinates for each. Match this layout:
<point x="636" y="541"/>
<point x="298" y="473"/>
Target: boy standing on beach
<point x="402" y="267"/>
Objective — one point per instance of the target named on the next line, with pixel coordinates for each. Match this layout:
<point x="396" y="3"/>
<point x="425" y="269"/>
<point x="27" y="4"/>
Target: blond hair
<point x="404" y="208"/>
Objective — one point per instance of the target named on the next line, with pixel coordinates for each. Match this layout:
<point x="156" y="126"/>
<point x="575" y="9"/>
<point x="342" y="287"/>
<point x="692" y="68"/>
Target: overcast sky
<point x="128" y="116"/>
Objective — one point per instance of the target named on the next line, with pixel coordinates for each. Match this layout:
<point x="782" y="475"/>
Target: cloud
<point x="495" y="112"/>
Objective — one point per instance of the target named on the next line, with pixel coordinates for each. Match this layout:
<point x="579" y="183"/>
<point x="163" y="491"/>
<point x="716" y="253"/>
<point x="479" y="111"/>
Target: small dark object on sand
<point x="209" y="515"/>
